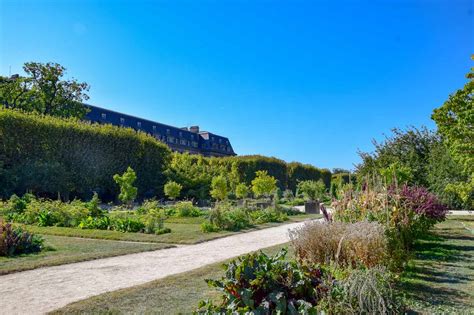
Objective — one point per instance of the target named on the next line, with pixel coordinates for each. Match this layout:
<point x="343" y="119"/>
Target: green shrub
<point x="153" y="221"/>
<point x="126" y="222"/>
<point x="172" y="190"/>
<point x="219" y="188"/>
<point x="225" y="217"/>
<point x="186" y="209"/>
<point x="242" y="191"/>
<point x="15" y="241"/>
<point x="99" y="223"/>
<point x="208" y="227"/>
<point x="128" y="192"/>
<point x="271" y="214"/>
<point x="312" y="190"/>
<point x="147" y="206"/>
<point x="263" y="284"/>
<point x="94" y="206"/>
<point x="87" y="156"/>
<point x="263" y="184"/>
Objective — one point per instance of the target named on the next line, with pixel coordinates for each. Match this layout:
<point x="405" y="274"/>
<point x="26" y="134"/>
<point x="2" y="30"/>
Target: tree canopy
<point x="43" y="90"/>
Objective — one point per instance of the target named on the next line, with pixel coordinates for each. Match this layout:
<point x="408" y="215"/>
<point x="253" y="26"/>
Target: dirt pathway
<point x="42" y="290"/>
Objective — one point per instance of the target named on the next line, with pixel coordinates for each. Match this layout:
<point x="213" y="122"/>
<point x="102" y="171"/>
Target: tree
<point x="263" y="184"/>
<point x="172" y="190"/>
<point x="455" y="121"/>
<point x="219" y="188"/>
<point x="312" y="190"/>
<point x="44" y="91"/>
<point x="128" y="192"/>
<point x="408" y="149"/>
<point x="396" y="173"/>
<point x="242" y="191"/>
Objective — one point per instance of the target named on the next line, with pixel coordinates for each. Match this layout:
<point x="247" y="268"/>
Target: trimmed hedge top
<point x="47" y="154"/>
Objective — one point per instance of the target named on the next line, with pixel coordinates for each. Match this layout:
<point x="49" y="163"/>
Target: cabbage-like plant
<point x="264" y="284"/>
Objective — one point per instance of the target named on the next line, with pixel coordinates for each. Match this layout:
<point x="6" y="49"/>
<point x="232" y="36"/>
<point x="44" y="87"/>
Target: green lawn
<point x="441" y="278"/>
<point x="183" y="231"/>
<point x="171" y="295"/>
<point x="63" y="250"/>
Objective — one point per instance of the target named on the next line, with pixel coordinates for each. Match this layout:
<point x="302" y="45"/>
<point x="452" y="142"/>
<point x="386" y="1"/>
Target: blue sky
<point x="311" y="81"/>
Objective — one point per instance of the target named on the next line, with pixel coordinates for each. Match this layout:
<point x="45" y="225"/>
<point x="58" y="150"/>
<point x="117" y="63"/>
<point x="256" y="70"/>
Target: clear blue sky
<point x="312" y="81"/>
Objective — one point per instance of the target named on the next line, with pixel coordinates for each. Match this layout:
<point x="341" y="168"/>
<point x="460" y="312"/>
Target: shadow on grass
<point x="438" y="277"/>
<point x="434" y="296"/>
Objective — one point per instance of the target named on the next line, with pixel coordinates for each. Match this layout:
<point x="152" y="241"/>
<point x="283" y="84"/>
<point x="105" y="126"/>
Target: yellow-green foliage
<point x="298" y="172"/>
<point x="79" y="157"/>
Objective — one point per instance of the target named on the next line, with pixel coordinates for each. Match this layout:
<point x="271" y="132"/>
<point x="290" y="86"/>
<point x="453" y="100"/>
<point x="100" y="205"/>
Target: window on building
<point x="103" y="115"/>
<point x="182" y="141"/>
<point x="180" y="134"/>
<point x="154" y="128"/>
<point x="139" y="124"/>
<point x="122" y="120"/>
<point x="167" y="131"/>
<point x="170" y="139"/>
<point x="212" y="138"/>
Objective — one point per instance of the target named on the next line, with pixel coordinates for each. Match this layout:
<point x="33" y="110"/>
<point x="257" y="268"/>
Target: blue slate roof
<point x="178" y="139"/>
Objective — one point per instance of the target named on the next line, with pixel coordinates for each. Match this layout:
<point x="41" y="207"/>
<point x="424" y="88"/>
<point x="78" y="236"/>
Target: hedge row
<point x="195" y="172"/>
<point x="48" y="155"/>
<point x="51" y="155"/>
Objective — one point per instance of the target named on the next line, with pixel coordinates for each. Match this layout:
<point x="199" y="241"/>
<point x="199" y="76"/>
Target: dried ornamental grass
<point x="343" y="244"/>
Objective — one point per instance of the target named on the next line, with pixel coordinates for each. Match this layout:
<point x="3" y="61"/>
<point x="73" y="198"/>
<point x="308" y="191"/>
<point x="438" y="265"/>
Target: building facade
<point x="184" y="139"/>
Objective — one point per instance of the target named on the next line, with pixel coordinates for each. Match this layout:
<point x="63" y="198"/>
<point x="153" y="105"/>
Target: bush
<point x="153" y="222"/>
<point x="99" y="223"/>
<point x="15" y="241"/>
<point x="263" y="184"/>
<point x="341" y="244"/>
<point x="48" y="213"/>
<point x="271" y="214"/>
<point x="147" y="206"/>
<point x="264" y="284"/>
<point x="128" y="192"/>
<point x="312" y="190"/>
<point x="125" y="222"/>
<point x="86" y="155"/>
<point x="186" y="209"/>
<point x="242" y="191"/>
<point x="172" y="190"/>
<point x="225" y="217"/>
<point x="208" y="227"/>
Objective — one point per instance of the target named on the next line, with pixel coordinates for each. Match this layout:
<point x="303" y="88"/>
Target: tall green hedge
<point x="48" y="155"/>
<point x="247" y="165"/>
<point x="51" y="155"/>
<point x="298" y="172"/>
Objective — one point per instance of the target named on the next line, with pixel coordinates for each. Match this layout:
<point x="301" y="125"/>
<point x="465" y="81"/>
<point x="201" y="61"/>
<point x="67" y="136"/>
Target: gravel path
<point x="46" y="289"/>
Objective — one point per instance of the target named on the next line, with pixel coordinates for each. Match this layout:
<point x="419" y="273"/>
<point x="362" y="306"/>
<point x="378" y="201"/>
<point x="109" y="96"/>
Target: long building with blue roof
<point x="184" y="139"/>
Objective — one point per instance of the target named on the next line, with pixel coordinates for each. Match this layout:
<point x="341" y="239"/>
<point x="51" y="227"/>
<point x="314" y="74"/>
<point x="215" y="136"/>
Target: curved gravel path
<point x="46" y="289"/>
